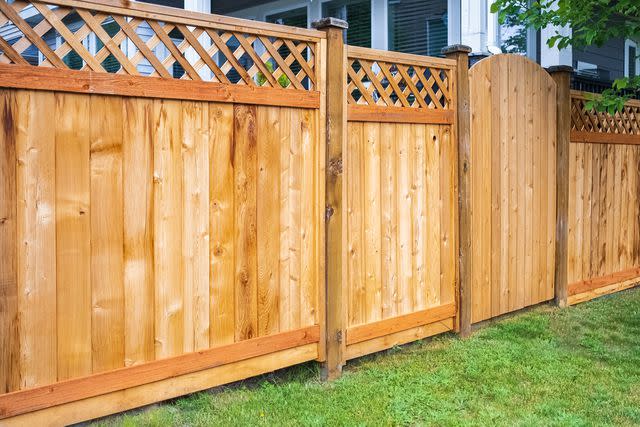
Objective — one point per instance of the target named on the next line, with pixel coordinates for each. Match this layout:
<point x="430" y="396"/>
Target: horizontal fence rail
<point x="149" y="41"/>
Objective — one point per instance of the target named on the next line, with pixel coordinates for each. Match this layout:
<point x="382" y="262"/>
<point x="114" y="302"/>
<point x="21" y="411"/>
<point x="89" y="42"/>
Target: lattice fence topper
<point x="624" y="122"/>
<point x="86" y="38"/>
<point x="387" y="84"/>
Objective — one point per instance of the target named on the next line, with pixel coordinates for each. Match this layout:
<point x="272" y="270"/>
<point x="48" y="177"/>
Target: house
<point x="421" y="27"/>
<point x="425" y="26"/>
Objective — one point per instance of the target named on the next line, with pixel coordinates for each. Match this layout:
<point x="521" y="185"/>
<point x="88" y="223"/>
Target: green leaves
<point x="592" y="22"/>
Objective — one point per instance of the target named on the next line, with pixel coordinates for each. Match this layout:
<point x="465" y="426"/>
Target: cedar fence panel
<point x="604" y="204"/>
<point x="162" y="229"/>
<point x="401" y="205"/>
<point x="513" y="187"/>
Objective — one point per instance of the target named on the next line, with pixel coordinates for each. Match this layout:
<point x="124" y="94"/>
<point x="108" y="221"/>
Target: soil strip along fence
<point x="188" y="200"/>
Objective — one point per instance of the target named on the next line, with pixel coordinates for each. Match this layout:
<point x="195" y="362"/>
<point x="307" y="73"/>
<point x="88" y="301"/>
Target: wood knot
<point x="335" y="166"/>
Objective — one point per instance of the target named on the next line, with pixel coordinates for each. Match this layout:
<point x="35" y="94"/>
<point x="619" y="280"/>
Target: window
<point x="357" y="13"/>
<point x="418" y="26"/>
<point x="294" y="18"/>
<point x="631" y="59"/>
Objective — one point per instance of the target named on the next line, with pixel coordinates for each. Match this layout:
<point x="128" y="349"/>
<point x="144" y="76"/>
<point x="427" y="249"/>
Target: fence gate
<point x="513" y="185"/>
<point x="401" y="210"/>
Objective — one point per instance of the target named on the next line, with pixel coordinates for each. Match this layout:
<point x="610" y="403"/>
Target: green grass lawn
<point x="577" y="366"/>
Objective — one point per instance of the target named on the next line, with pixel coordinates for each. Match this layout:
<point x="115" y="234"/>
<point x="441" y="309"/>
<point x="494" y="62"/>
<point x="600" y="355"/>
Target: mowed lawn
<point x="578" y="366"/>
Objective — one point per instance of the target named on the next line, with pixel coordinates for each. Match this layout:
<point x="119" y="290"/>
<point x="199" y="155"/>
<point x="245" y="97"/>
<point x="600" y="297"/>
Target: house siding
<point x="609" y="57"/>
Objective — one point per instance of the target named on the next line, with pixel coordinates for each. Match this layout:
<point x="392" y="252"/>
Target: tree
<point x="593" y="22"/>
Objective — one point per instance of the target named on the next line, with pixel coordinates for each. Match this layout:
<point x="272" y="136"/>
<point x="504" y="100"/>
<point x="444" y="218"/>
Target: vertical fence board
<point x="308" y="288"/>
<point x="372" y="222"/>
<point x="139" y="295"/>
<point x="195" y="227"/>
<point x="448" y="197"/>
<point x="419" y="244"/>
<point x="285" y="205"/>
<point x="9" y="344"/>
<point x="295" y="215"/>
<point x="36" y="268"/>
<point x="222" y="229"/>
<point x="389" y="219"/>
<point x="268" y="218"/>
<point x="73" y="248"/>
<point x="433" y="144"/>
<point x="245" y="168"/>
<point x="107" y="234"/>
<point x="167" y="162"/>
<point x="355" y="237"/>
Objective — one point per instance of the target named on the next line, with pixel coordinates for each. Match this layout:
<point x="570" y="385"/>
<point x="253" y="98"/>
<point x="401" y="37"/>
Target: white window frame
<point x="627" y="61"/>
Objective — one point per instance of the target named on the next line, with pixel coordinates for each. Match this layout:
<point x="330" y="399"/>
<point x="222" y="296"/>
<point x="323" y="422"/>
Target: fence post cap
<point x="323" y="23"/>
<point x="455" y="48"/>
<point x="560" y="69"/>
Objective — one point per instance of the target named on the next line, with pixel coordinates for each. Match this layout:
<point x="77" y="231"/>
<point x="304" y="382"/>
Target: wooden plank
<point x="355" y="224"/>
<point x="372" y="223"/>
<point x="433" y="214"/>
<point x="389" y="218"/>
<point x="308" y="285"/>
<point x="400" y="323"/>
<point x="586" y="212"/>
<point x="40" y="78"/>
<point x="421" y="286"/>
<point x="529" y="136"/>
<point x="448" y="256"/>
<point x="245" y="169"/>
<point x="584" y="137"/>
<point x="512" y="170"/>
<point x="222" y="213"/>
<point x="285" y="207"/>
<point x="195" y="226"/>
<point x="609" y="279"/>
<point x="398" y="338"/>
<point x="73" y="243"/>
<point x="9" y="339"/>
<point x="139" y="294"/>
<point x="521" y="138"/>
<point x="107" y="234"/>
<point x="623" y="191"/>
<point x="503" y="87"/>
<point x="405" y="228"/>
<point x="555" y="170"/>
<point x="619" y="181"/>
<point x="36" y="257"/>
<point x="609" y="206"/>
<point x="158" y="391"/>
<point x="602" y="218"/>
<point x="605" y="290"/>
<point x="493" y="124"/>
<point x="168" y="188"/>
<point x="268" y="219"/>
<point x="379" y="114"/>
<point x="295" y="217"/>
<point x="595" y="211"/>
<point x="124" y="378"/>
<point x="398" y="57"/>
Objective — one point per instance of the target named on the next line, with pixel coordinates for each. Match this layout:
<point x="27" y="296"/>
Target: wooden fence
<point x="188" y="200"/>
<point x="161" y="231"/>
<point x="401" y="157"/>
<point x="604" y="203"/>
<point x="513" y="169"/>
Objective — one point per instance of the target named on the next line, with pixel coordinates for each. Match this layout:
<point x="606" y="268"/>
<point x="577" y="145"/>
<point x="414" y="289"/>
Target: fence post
<point x="336" y="119"/>
<point x="461" y="54"/>
<point x="562" y="76"/>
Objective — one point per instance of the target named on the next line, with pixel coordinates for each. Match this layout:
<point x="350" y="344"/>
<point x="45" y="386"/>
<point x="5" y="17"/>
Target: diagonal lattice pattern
<point x="95" y="38"/>
<point x="624" y="122"/>
<point x="387" y="84"/>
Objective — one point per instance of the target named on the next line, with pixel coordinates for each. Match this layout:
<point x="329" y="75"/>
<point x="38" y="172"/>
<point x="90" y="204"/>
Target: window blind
<point x="418" y="26"/>
<point x="357" y="13"/>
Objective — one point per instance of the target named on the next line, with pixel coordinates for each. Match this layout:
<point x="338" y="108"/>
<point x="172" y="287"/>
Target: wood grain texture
<point x="139" y="283"/>
<point x="9" y="341"/>
<point x="107" y="234"/>
<point x="36" y="229"/>
<point x="245" y="169"/>
<point x="513" y="185"/>
<point x="73" y="236"/>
